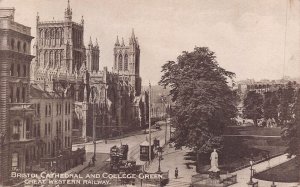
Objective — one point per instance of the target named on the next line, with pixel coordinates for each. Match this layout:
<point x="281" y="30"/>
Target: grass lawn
<point x="285" y="172"/>
<point x="251" y="130"/>
<point x="238" y="150"/>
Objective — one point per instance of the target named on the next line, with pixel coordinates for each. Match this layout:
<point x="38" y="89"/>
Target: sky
<point x="255" y="39"/>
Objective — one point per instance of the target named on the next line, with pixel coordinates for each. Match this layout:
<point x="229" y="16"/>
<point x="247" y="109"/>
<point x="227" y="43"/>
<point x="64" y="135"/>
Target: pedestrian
<point x="176" y="173"/>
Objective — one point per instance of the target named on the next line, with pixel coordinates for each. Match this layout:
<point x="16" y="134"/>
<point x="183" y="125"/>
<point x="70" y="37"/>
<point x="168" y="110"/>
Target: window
<point x="12" y="67"/>
<point x="11" y="95"/>
<point x="23" y="94"/>
<point x="38" y="130"/>
<point x="49" y="128"/>
<point x="120" y="63"/>
<point x="126" y="62"/>
<point x="46" y="110"/>
<point x="24" y="47"/>
<point x="57" y="109"/>
<point x="38" y="108"/>
<point x="18" y="70"/>
<point x="69" y="108"/>
<point x="18" y="95"/>
<point x="14" y="161"/>
<point x="25" y="70"/>
<point x="12" y="44"/>
<point x="66" y="108"/>
<point x="66" y="125"/>
<point x="46" y="128"/>
<point x="49" y="109"/>
<point x="19" y="46"/>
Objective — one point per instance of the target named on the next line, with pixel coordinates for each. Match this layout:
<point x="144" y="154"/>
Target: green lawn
<point x="238" y="150"/>
<point x="251" y="130"/>
<point x="285" y="172"/>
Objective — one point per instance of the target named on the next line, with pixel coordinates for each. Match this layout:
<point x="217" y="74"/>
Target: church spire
<point x="90" y="42"/>
<point x="117" y="42"/>
<point x="68" y="12"/>
<point x="97" y="45"/>
<point x="132" y="34"/>
<point x="132" y="40"/>
<point x="122" y="42"/>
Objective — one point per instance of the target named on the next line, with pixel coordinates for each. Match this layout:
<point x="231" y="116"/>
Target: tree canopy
<point x="253" y="106"/>
<point x="204" y="103"/>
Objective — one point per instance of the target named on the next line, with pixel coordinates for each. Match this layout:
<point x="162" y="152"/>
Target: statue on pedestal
<point x="214" y="170"/>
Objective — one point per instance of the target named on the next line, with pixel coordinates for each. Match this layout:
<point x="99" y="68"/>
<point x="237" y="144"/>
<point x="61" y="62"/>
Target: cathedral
<point x="113" y="100"/>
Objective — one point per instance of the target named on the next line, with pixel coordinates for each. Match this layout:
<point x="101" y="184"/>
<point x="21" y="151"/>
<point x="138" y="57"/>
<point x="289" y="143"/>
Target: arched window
<point x="51" y="59"/>
<point x="49" y="109"/>
<point x="19" y="46"/>
<point x="46" y="59"/>
<point x="18" y="95"/>
<point x="18" y="70"/>
<point x="46" y="111"/>
<point x="12" y="67"/>
<point x="126" y="62"/>
<point x="25" y="70"/>
<point x="56" y="61"/>
<point x="12" y="44"/>
<point x="120" y="63"/>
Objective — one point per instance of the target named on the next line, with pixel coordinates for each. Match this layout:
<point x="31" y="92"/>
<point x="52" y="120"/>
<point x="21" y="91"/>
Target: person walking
<point x="176" y="173"/>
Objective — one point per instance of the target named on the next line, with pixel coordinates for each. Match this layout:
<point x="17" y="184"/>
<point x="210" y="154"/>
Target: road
<point x="103" y="150"/>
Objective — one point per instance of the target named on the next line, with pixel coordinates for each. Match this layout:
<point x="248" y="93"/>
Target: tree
<point x="291" y="130"/>
<point x="286" y="100"/>
<point x="270" y="106"/>
<point x="253" y="105"/>
<point x="204" y="103"/>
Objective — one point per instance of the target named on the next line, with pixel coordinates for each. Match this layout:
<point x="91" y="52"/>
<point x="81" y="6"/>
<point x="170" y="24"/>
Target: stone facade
<point x="16" y="113"/>
<point x="64" y="64"/>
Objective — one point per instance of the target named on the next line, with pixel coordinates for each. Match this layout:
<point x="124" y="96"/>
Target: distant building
<point x="16" y="114"/>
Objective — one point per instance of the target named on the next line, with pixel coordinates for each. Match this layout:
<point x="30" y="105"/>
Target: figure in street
<point x="176" y="173"/>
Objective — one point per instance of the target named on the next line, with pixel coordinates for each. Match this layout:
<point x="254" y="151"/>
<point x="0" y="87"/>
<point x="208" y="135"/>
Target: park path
<point x="243" y="175"/>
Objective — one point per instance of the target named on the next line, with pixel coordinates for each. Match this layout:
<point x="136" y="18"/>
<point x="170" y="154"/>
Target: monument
<point x="214" y="170"/>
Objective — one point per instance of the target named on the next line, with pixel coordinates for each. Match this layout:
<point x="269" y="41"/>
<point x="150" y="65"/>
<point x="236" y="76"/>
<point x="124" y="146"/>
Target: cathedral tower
<point x="127" y="62"/>
<point x="60" y="51"/>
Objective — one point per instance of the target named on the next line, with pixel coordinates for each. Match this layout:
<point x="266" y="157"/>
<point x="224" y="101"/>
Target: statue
<point x="214" y="162"/>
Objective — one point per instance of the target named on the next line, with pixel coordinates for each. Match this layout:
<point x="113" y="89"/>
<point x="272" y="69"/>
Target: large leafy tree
<point x="204" y="103"/>
<point x="286" y="100"/>
<point x="270" y="106"/>
<point x="253" y="106"/>
<point x="291" y="129"/>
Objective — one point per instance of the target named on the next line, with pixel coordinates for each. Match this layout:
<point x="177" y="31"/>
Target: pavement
<point x="244" y="174"/>
<point x="171" y="159"/>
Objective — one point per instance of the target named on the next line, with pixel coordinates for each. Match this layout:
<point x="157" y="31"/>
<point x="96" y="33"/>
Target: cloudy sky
<point x="247" y="36"/>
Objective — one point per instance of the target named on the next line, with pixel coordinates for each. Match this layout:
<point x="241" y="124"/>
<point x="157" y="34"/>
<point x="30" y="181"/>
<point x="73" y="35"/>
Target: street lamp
<point x="251" y="172"/>
<point x="159" y="152"/>
<point x="163" y="99"/>
<point x="94" y="92"/>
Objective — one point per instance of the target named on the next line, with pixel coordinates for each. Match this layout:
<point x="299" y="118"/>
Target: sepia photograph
<point x="149" y="93"/>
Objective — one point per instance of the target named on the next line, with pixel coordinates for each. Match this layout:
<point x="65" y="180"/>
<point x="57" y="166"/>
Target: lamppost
<point x="163" y="99"/>
<point x="159" y="152"/>
<point x="94" y="124"/>
<point x="251" y="172"/>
